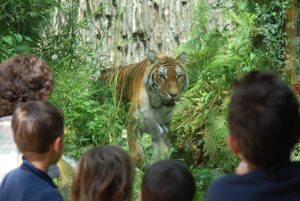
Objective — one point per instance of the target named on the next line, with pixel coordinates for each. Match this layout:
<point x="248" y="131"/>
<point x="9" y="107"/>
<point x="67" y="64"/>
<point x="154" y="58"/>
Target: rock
<point x="142" y="25"/>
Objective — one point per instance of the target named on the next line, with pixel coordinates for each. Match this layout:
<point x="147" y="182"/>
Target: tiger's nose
<point x="173" y="94"/>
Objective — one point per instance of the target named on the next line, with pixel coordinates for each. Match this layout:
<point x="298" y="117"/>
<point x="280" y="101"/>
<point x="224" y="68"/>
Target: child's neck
<point x="245" y="166"/>
<point x="251" y="166"/>
<point x="40" y="161"/>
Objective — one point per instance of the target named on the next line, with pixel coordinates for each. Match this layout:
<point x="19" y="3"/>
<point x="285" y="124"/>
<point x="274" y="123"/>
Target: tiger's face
<point x="167" y="78"/>
<point x="170" y="80"/>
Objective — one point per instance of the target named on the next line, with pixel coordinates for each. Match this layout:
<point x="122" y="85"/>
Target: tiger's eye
<point x="179" y="76"/>
<point x="162" y="76"/>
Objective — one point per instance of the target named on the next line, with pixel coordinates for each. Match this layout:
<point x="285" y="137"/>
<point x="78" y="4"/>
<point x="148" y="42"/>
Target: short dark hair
<point x="263" y="117"/>
<point x="105" y="173"/>
<point x="36" y="124"/>
<point x="23" y="78"/>
<point x="168" y="180"/>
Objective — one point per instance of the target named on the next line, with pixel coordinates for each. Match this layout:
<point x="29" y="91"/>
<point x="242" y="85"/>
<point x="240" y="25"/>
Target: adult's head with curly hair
<point x="23" y="78"/>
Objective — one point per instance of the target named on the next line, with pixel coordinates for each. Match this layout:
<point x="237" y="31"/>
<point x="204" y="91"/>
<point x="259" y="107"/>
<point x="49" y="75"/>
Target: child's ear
<point x="44" y="98"/>
<point x="56" y="145"/>
<point x="233" y="145"/>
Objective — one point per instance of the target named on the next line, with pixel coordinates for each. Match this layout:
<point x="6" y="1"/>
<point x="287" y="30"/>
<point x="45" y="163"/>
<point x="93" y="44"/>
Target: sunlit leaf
<point x="7" y="39"/>
<point x="19" y="38"/>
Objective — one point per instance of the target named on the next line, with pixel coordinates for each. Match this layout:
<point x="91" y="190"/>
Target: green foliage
<point x="13" y="44"/>
<point x="270" y="23"/>
<point x="203" y="177"/>
<point x="137" y="184"/>
<point x="26" y="17"/>
<point x="217" y="153"/>
<point x="22" y="23"/>
<point x="201" y="125"/>
<point x="92" y="118"/>
<point x="295" y="156"/>
<point x="244" y="36"/>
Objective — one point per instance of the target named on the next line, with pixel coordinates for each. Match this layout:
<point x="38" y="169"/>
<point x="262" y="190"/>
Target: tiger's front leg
<point x="158" y="132"/>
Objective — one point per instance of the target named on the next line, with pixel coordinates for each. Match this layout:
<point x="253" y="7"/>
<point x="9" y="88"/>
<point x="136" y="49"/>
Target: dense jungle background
<point x="246" y="35"/>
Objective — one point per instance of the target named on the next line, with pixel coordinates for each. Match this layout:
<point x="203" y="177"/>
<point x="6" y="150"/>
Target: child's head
<point x="23" y="78"/>
<point x="168" y="180"/>
<point x="264" y="119"/>
<point x="36" y="125"/>
<point x="103" y="174"/>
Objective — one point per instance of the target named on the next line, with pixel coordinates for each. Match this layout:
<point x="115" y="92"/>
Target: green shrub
<point x="26" y="17"/>
<point x="13" y="44"/>
<point x="91" y="117"/>
<point x="22" y="25"/>
<point x="244" y="36"/>
<point x="203" y="178"/>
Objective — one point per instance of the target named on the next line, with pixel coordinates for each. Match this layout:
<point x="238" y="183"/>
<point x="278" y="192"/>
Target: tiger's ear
<point x="152" y="57"/>
<point x="182" y="57"/>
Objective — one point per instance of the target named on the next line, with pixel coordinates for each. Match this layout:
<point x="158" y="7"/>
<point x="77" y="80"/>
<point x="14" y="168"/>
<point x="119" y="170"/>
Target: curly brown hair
<point x="103" y="174"/>
<point x="23" y="78"/>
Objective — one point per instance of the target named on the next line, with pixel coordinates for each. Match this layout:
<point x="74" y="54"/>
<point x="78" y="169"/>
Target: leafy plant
<point x="295" y="156"/>
<point x="21" y="27"/>
<point x="203" y="178"/>
<point x="228" y="39"/>
<point x="91" y="117"/>
<point x="13" y="44"/>
<point x="26" y="17"/>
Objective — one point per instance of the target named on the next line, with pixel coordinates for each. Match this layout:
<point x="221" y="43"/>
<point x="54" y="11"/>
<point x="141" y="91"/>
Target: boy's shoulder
<point x="258" y="185"/>
<point x="28" y="184"/>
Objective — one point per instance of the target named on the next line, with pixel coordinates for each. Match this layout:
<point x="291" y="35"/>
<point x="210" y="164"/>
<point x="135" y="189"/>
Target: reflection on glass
<point x="297" y="61"/>
<point x="298" y="47"/>
<point x="298" y="24"/>
<point x="297" y="73"/>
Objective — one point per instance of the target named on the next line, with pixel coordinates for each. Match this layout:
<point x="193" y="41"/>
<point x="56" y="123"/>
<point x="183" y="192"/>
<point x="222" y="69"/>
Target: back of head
<point x="264" y="119"/>
<point x="23" y="78"/>
<point x="36" y="124"/>
<point x="168" y="180"/>
<point x="103" y="174"/>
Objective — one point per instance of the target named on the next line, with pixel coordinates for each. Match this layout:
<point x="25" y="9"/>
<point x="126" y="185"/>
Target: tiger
<point x="152" y="86"/>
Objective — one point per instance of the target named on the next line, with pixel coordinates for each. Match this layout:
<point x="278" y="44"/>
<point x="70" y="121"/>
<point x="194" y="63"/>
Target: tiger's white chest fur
<point x="153" y="116"/>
